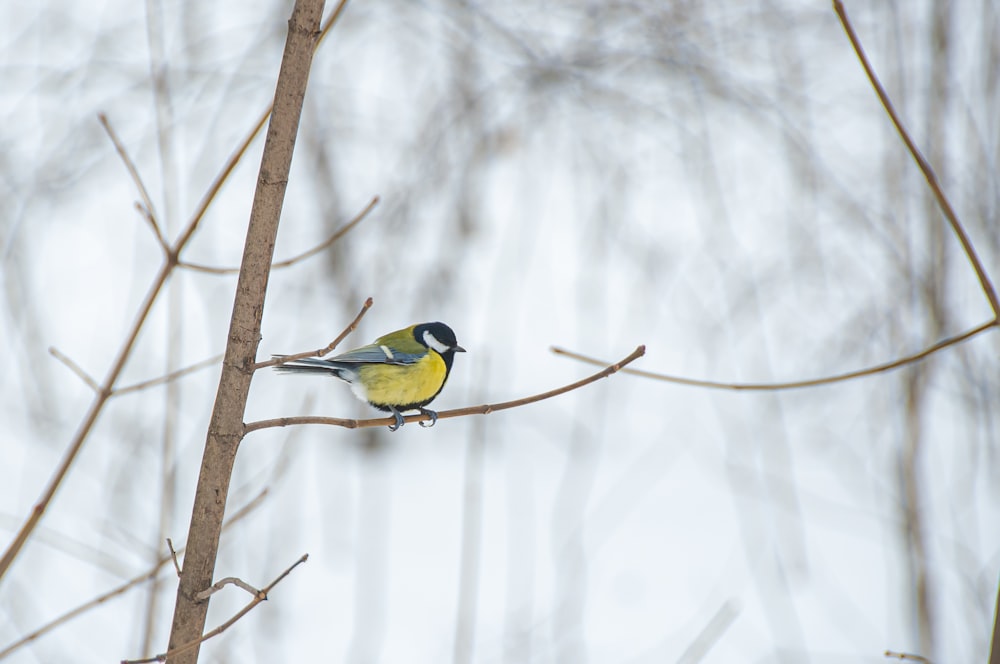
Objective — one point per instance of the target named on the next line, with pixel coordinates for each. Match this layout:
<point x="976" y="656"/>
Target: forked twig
<point x="146" y="207"/>
<point x="75" y="368"/>
<point x="259" y="596"/>
<point x="120" y="589"/>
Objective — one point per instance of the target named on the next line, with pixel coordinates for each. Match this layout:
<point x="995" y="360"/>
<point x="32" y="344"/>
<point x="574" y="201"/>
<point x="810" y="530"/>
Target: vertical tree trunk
<point x="226" y="427"/>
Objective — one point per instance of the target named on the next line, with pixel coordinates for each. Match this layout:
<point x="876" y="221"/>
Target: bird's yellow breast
<point x="404" y="386"/>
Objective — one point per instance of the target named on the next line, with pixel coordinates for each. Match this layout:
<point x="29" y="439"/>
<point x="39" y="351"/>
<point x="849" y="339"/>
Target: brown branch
<point x="222" y="583"/>
<point x="121" y="589"/>
<point x="97" y="406"/>
<point x="259" y="596"/>
<point x="146" y="207"/>
<point x="75" y="368"/>
<point x="485" y="409"/>
<point x="922" y="162"/>
<point x="237" y="155"/>
<point x="225" y="428"/>
<point x="792" y="385"/>
<point x="173" y="557"/>
<point x="166" y="378"/>
<point x="907" y="656"/>
<point x="284" y="359"/>
<point x="288" y="262"/>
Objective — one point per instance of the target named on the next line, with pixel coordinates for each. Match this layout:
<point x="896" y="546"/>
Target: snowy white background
<point x="717" y="182"/>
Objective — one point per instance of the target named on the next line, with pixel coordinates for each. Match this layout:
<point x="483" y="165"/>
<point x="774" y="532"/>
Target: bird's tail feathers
<point x="308" y="365"/>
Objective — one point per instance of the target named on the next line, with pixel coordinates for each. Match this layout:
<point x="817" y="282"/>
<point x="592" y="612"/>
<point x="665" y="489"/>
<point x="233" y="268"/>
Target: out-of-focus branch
<point x="485" y="409"/>
<point x="259" y="596"/>
<point x="288" y="262"/>
<point x="166" y="378"/>
<point x="283" y="359"/>
<point x="237" y="516"/>
<point x="146" y="207"/>
<point x="797" y="384"/>
<point x="922" y="163"/>
<point x="909" y="657"/>
<point x="172" y="253"/>
<point x="75" y="368"/>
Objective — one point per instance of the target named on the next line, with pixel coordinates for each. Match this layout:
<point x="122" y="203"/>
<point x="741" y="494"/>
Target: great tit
<point x="403" y="370"/>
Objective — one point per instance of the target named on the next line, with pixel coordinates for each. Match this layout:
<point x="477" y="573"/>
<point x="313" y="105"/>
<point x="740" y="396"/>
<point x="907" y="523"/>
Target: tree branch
<point x="225" y="429"/>
<point x="146" y="207"/>
<point x="922" y="163"/>
<point x="284" y="359"/>
<point x="792" y="385"/>
<point x="120" y="589"/>
<point x="259" y="596"/>
<point x="288" y="262"/>
<point x="485" y="409"/>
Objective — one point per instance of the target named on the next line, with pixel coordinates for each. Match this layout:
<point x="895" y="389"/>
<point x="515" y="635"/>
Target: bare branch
<point x="146" y="207"/>
<point x="170" y="261"/>
<point x="75" y="368"/>
<point x="907" y="656"/>
<point x="284" y="359"/>
<point x="925" y="167"/>
<point x="259" y="596"/>
<point x="121" y="589"/>
<point x="288" y="262"/>
<point x="173" y="556"/>
<point x="237" y="155"/>
<point x="485" y="409"/>
<point x="792" y="385"/>
<point x="166" y="378"/>
<point x="229" y="580"/>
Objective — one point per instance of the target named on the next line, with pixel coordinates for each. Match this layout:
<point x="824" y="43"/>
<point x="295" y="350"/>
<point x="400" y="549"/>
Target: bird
<point x="400" y="371"/>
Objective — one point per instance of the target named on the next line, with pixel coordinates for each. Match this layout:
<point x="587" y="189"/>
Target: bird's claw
<point x="431" y="414"/>
<point x="399" y="420"/>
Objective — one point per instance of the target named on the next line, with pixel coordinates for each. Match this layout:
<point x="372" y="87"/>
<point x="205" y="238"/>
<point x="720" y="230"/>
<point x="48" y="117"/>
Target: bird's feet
<point x="399" y="419"/>
<point x="431" y="414"/>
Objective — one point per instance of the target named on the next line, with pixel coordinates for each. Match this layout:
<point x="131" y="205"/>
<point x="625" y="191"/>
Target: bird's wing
<point x="375" y="354"/>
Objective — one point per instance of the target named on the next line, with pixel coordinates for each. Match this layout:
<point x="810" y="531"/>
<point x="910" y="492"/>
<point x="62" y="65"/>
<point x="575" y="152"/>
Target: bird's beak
<point x="458" y="349"/>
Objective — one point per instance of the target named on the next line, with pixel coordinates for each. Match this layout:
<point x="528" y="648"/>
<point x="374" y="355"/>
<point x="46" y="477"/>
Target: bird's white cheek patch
<point x="432" y="342"/>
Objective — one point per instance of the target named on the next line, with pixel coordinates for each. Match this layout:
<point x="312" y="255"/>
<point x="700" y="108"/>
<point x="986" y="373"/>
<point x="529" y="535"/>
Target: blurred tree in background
<point x="715" y="180"/>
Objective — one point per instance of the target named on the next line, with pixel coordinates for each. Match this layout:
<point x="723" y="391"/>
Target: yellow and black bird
<point x="403" y="370"/>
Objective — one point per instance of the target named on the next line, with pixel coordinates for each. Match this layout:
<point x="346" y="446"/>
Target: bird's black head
<point x="440" y="337"/>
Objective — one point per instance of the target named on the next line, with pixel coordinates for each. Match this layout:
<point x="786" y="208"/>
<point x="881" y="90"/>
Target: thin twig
<point x="259" y="597"/>
<point x="485" y="409"/>
<point x="222" y="583"/>
<point x="166" y="378"/>
<point x="170" y="261"/>
<point x="173" y="556"/>
<point x="275" y="361"/>
<point x="146" y="207"/>
<point x="121" y="589"/>
<point x="153" y="225"/>
<point x="792" y="385"/>
<point x="75" y="368"/>
<point x="237" y="155"/>
<point x="922" y="163"/>
<point x="288" y="262"/>
<point x="905" y="655"/>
